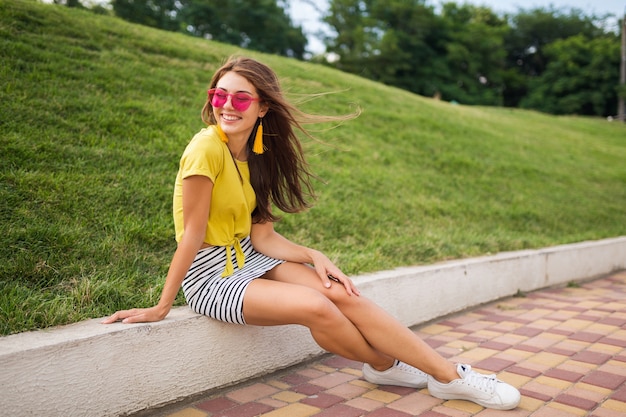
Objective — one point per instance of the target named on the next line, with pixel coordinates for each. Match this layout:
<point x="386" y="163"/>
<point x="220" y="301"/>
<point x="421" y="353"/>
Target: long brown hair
<point x="280" y="175"/>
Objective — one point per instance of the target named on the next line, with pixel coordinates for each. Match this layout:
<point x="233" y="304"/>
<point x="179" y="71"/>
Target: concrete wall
<point x="89" y="369"/>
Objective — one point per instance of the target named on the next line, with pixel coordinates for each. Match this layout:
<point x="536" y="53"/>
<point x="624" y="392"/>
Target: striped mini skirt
<point x="208" y="293"/>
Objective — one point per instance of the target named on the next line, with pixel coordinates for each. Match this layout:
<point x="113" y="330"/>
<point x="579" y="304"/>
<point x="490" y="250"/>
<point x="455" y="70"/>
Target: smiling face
<point x="235" y="123"/>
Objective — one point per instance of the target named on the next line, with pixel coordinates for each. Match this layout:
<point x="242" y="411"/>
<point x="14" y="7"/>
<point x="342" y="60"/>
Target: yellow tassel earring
<point x="257" y="148"/>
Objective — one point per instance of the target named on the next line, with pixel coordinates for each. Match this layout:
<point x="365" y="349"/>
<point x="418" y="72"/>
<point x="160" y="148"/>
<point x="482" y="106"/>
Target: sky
<point x="304" y="14"/>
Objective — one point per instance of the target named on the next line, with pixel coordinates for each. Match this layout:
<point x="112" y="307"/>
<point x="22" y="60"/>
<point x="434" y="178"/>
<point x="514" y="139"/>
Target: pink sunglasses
<point x="239" y="101"/>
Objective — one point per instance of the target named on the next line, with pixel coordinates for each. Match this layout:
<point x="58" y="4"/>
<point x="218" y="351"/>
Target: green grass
<point x="95" y="113"/>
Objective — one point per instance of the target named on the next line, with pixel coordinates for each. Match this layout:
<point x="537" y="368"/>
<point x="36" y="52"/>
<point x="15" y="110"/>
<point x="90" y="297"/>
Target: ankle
<point x="445" y="376"/>
<point x="383" y="366"/>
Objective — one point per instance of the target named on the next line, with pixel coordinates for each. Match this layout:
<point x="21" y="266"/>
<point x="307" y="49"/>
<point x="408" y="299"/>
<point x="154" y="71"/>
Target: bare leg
<point x="381" y="331"/>
<point x="269" y="303"/>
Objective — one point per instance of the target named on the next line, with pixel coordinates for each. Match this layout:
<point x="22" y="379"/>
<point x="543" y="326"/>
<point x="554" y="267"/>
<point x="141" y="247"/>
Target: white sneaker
<point x="400" y="374"/>
<point x="485" y="390"/>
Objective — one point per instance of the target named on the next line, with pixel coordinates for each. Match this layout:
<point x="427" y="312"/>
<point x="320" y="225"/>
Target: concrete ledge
<point x="88" y="369"/>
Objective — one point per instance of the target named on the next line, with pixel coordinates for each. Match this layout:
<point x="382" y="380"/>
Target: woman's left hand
<point x="329" y="272"/>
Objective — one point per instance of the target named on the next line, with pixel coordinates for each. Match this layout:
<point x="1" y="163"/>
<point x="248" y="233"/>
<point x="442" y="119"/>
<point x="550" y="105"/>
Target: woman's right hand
<point x="137" y="315"/>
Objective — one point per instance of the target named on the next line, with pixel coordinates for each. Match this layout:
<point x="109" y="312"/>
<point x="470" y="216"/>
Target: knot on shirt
<point x="239" y="255"/>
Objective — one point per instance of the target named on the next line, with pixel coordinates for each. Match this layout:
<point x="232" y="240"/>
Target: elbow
<point x="192" y="239"/>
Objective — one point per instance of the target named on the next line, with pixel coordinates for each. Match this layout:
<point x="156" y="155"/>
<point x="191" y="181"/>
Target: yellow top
<point x="232" y="200"/>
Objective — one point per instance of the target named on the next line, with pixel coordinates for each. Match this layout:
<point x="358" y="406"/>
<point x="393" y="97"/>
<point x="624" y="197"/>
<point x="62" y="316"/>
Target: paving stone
<point x="577" y="402"/>
<point x="613" y="321"/>
<point x="386" y="412"/>
<point x="415" y="403"/>
<point x="619" y="395"/>
<point x="249" y="409"/>
<point x="615" y="406"/>
<point x="288" y="396"/>
<point x="347" y="391"/>
<point x="293" y="410"/>
<point x="495" y="345"/>
<point x="295" y="379"/>
<point x="524" y="371"/>
<point x="189" y="412"/>
<point x="587" y="336"/>
<point x="559" y="351"/>
<point x="340" y="410"/>
<point x="364" y="403"/>
<point x="605" y="412"/>
<point x="564" y="375"/>
<point x="332" y="379"/>
<point x="494" y="364"/>
<point x="604" y="379"/>
<point x="432" y="414"/>
<point x="528" y="331"/>
<point x="565" y="410"/>
<point x="588" y="394"/>
<point x="614" y="341"/>
<point x="272" y="402"/>
<point x="381" y="396"/>
<point x="252" y="392"/>
<point x="322" y="400"/>
<point x="536" y="394"/>
<point x="553" y="382"/>
<point x="307" y="389"/>
<point x="216" y="405"/>
<point x="396" y="390"/>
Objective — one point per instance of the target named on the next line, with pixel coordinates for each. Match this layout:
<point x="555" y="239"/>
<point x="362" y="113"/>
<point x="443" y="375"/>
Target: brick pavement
<point x="564" y="348"/>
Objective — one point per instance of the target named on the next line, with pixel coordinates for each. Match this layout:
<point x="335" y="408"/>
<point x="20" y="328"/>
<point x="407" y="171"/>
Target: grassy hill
<point x="95" y="113"/>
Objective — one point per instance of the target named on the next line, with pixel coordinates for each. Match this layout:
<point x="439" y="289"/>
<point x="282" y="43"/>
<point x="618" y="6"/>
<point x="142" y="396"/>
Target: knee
<point x="338" y="295"/>
<point x="320" y="310"/>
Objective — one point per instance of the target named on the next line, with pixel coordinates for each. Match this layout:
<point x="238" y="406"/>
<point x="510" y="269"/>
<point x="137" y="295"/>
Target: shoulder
<point x="204" y="155"/>
<point x="206" y="144"/>
<point x="206" y="139"/>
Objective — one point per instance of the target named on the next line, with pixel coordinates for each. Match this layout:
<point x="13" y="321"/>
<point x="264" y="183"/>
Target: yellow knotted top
<point x="232" y="201"/>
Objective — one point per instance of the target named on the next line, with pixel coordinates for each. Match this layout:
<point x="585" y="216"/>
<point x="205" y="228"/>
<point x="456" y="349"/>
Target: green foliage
<point x="579" y="79"/>
<point x="160" y="14"/>
<point x="531" y="31"/>
<point x="475" y="54"/>
<point x="260" y="25"/>
<point x="398" y="42"/>
<point x="354" y="38"/>
<point x="469" y="54"/>
<point x="96" y="112"/>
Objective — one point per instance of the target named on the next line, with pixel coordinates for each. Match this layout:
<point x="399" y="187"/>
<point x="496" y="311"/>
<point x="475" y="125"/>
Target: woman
<point x="233" y="266"/>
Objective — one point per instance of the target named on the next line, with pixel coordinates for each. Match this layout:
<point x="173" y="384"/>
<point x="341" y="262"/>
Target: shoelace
<point x="407" y="368"/>
<point x="485" y="383"/>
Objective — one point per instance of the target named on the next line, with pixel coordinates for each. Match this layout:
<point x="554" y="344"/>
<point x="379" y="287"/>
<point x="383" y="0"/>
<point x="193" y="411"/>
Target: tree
<point x="160" y="14"/>
<point x="458" y="54"/>
<point x="396" y="42"/>
<point x="531" y="31"/>
<point x="411" y="47"/>
<point x="355" y="37"/>
<point x="475" y="54"/>
<point x="69" y="3"/>
<point x="261" y="25"/>
<point x="580" y="78"/>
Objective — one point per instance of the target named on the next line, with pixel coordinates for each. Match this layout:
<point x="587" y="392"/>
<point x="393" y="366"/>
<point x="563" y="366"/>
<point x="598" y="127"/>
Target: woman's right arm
<point x="196" y="203"/>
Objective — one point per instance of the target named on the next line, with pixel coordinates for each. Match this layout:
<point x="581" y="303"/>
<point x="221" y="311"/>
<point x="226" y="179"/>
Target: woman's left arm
<point x="271" y="243"/>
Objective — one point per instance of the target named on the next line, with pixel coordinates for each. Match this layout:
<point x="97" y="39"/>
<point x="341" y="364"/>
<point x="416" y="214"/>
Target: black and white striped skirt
<point x="222" y="298"/>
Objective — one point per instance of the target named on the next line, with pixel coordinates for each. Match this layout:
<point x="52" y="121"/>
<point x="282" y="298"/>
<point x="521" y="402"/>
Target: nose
<point x="229" y="101"/>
